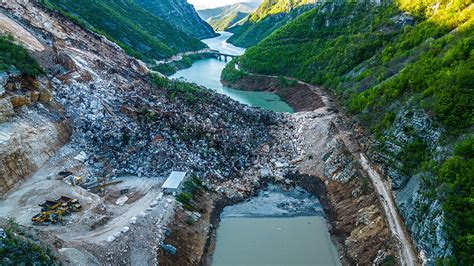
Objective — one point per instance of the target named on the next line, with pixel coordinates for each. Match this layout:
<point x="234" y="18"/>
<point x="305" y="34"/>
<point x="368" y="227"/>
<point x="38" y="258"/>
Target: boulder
<point x="6" y="109"/>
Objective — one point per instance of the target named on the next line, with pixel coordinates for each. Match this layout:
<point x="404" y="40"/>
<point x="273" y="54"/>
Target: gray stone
<point x="6" y="109"/>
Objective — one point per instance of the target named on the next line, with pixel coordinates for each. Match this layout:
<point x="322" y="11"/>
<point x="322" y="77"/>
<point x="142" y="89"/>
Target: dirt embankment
<point x="299" y="96"/>
<point x="358" y="238"/>
<point x="194" y="240"/>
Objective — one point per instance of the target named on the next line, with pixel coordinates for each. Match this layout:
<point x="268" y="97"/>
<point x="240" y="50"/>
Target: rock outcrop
<point x="423" y="215"/>
<point x="125" y="121"/>
<point x="32" y="128"/>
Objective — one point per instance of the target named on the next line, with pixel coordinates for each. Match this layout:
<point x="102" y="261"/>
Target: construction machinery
<point x="52" y="211"/>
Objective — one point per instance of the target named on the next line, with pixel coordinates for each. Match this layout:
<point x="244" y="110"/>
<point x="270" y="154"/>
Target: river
<point x="207" y="72"/>
<point x="277" y="227"/>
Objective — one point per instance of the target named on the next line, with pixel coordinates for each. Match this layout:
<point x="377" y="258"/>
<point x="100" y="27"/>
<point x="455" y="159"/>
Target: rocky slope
<point x="32" y="129"/>
<point x="180" y="14"/>
<point x="124" y="122"/>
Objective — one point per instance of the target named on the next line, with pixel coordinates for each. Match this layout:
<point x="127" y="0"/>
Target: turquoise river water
<point x="207" y="72"/>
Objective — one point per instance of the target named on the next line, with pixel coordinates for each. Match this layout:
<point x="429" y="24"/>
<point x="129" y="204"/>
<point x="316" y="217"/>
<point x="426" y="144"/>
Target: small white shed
<point x="174" y="182"/>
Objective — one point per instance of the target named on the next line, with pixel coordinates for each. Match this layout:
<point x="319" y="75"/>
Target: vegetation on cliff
<point x="230" y="73"/>
<point x="456" y="183"/>
<point x="272" y="7"/>
<point x="270" y="16"/>
<point x="15" y="57"/>
<point x="378" y="60"/>
<point x="139" y="32"/>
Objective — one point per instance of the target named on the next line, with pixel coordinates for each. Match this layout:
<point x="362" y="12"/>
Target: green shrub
<point x="21" y="248"/>
<point x="14" y="56"/>
<point x="231" y="74"/>
<point x="456" y="174"/>
<point x="184" y="197"/>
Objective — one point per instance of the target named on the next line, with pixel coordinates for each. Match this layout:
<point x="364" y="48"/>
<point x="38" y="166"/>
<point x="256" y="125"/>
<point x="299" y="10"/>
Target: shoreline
<point x="297" y="95"/>
<point x="186" y="61"/>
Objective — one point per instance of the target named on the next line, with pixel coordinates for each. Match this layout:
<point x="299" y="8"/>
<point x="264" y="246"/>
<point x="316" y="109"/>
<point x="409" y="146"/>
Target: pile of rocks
<point x="125" y="125"/>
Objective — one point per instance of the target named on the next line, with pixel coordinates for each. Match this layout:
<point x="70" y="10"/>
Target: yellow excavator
<point x="52" y="211"/>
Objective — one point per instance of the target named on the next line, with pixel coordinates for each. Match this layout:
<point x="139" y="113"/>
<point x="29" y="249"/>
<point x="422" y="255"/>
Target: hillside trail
<point x="395" y="223"/>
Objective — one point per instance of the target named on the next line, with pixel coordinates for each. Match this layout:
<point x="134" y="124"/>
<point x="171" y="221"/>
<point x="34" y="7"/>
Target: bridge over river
<point x="222" y="56"/>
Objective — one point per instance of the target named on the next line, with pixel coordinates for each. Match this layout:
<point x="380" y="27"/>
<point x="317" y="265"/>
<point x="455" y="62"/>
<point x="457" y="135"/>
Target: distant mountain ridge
<point x="139" y="32"/>
<point x="180" y="14"/>
<point x="221" y="18"/>
<point x="268" y="17"/>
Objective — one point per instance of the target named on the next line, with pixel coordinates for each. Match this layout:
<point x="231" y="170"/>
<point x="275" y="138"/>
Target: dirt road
<point x="397" y="227"/>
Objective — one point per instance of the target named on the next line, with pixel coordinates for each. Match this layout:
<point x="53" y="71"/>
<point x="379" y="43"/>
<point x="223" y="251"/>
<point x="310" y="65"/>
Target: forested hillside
<point x="179" y="14"/>
<point x="136" y="30"/>
<point x="404" y="70"/>
<point x="270" y="16"/>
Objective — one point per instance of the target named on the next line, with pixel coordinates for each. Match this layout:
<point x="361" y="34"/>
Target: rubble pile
<point x="124" y="125"/>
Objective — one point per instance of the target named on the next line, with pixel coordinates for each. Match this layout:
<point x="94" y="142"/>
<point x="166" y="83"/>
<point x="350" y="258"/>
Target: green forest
<point x="375" y="59"/>
<point x="139" y="32"/>
<point x="265" y="20"/>
<point x="15" y="57"/>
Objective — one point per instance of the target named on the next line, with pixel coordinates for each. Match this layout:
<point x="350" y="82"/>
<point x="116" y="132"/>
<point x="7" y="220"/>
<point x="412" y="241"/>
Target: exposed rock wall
<point x="423" y="215"/>
<point x="26" y="142"/>
<point x="31" y="128"/>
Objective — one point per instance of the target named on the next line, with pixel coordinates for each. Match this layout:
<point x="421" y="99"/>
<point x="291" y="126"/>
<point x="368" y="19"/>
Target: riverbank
<point x="298" y="95"/>
<point x="186" y="61"/>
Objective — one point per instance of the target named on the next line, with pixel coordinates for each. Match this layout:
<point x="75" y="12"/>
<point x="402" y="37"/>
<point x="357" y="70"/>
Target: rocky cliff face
<point x="32" y="127"/>
<point x="180" y="14"/>
<point x="119" y="119"/>
<point x="423" y="215"/>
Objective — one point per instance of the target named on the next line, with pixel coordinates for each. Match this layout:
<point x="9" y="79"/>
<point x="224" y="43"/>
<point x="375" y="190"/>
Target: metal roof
<point x="174" y="180"/>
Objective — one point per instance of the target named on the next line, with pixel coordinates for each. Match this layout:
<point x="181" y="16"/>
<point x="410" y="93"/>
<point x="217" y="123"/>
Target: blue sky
<point x="201" y="4"/>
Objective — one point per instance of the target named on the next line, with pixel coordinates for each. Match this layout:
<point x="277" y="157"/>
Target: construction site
<point x="94" y="219"/>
